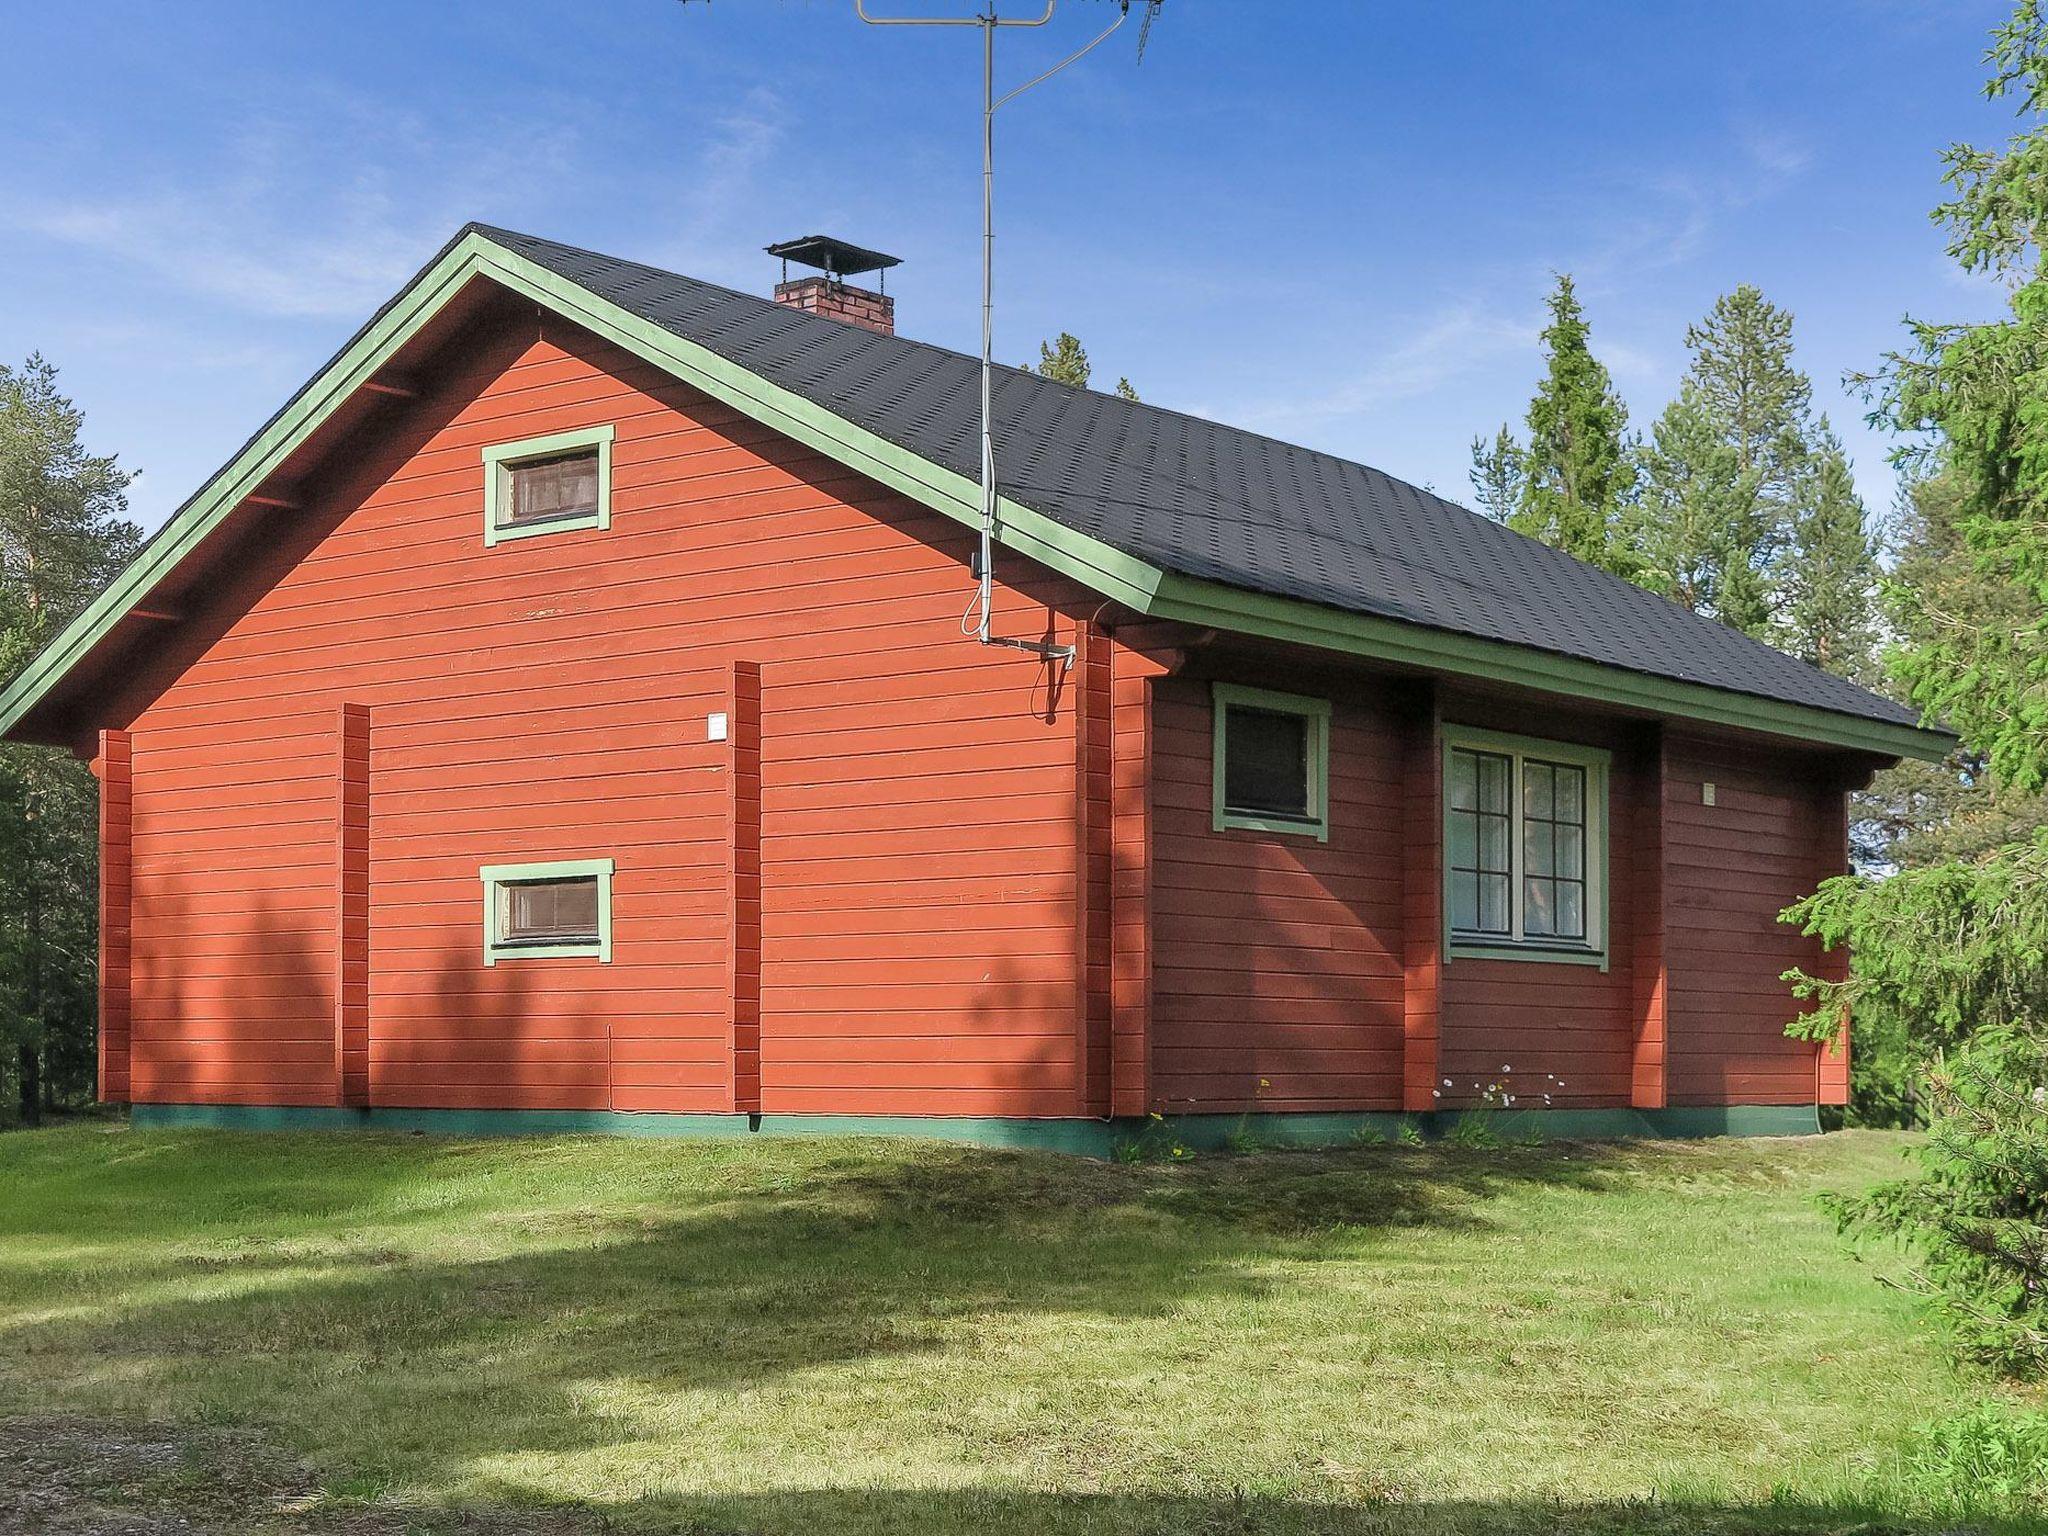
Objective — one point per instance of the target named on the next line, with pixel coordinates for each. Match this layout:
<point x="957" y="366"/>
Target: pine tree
<point x="63" y="536"/>
<point x="1498" y="474"/>
<point x="1578" y="473"/>
<point x="1065" y="361"/>
<point x="1828" y="586"/>
<point x="1726" y="463"/>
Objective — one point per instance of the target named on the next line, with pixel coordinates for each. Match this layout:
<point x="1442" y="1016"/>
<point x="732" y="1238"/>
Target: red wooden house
<point x="559" y="714"/>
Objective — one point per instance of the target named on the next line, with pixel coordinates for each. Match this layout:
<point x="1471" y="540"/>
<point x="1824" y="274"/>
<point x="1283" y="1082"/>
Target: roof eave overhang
<point x="1131" y="582"/>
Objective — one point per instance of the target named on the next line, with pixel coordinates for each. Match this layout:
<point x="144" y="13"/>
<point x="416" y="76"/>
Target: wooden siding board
<point x="115" y="766"/>
<point x="743" y="886"/>
<point x="1422" y="919"/>
<point x="1133" y="773"/>
<point x="1650" y="871"/>
<point x="352" y="907"/>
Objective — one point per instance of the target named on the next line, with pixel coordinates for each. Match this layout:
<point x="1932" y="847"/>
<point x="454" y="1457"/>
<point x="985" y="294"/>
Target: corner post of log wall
<point x="743" y="887"/>
<point x="1642" y="811"/>
<point x="1093" y="775"/>
<point x="1422" y="900"/>
<point x="1831" y="1067"/>
<point x="115" y="769"/>
<point x="1130" y="921"/>
<point x="352" y="909"/>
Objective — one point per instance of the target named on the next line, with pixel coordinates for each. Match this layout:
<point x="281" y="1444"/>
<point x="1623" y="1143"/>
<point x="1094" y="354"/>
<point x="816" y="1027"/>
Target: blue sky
<point x="1333" y="222"/>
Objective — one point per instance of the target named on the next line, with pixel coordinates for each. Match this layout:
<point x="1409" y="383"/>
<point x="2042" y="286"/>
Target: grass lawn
<point x="837" y="1336"/>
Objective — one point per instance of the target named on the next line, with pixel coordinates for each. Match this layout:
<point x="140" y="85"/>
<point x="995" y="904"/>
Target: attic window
<point x="551" y="484"/>
<point x="561" y="910"/>
<point x="1272" y="757"/>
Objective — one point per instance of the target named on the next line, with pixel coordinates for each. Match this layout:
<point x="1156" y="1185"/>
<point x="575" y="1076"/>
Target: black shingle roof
<point x="1211" y="501"/>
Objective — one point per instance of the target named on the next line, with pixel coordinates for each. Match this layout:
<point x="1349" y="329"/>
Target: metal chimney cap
<point x="838" y="257"/>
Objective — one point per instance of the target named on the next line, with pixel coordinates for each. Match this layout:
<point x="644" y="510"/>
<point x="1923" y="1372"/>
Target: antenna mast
<point x="989" y="21"/>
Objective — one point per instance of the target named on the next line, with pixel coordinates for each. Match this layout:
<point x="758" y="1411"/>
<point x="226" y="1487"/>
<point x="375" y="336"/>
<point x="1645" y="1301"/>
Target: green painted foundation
<point x="1087" y="1138"/>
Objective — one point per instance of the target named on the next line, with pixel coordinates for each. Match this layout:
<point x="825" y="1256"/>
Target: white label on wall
<point x="1706" y="794"/>
<point x="714" y="730"/>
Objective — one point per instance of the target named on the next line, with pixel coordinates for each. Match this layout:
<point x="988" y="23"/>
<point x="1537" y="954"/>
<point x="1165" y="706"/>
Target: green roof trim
<point x="1136" y="584"/>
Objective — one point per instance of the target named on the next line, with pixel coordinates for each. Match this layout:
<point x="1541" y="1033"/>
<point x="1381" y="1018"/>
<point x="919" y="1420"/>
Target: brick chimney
<point x="830" y="294"/>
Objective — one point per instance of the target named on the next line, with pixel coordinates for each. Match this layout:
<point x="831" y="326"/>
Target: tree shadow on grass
<point x="727" y="1269"/>
<point x="750" y="1263"/>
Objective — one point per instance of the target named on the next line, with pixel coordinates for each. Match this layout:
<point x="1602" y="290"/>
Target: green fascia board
<point x="1113" y="574"/>
<point x="1402" y="642"/>
<point x="1085" y="1138"/>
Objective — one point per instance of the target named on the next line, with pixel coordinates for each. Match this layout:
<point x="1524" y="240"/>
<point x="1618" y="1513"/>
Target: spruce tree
<point x="1578" y="473"/>
<point x="1827" y="595"/>
<point x="63" y="536"/>
<point x="1497" y="475"/>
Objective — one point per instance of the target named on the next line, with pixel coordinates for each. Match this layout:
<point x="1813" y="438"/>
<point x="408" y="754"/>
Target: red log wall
<point x="916" y="877"/>
<point x="373" y="722"/>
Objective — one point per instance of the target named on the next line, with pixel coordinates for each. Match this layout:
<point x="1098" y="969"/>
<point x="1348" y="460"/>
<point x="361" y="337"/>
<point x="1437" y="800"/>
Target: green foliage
<point x="1749" y="512"/>
<point x="1498" y="474"/>
<point x="1917" y="813"/>
<point x="1472" y="1129"/>
<point x="1827" y="598"/>
<point x="62" y="538"/>
<point x="1065" y="361"/>
<point x="1993" y="1458"/>
<point x="1946" y="953"/>
<point x="1975" y="399"/>
<point x="1576" y="476"/>
<point x="1920" y="814"/>
<point x="1951" y="975"/>
<point x="1976" y="1220"/>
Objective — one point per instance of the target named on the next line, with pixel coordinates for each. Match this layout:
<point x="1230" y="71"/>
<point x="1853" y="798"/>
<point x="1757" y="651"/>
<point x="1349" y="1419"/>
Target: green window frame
<point x="496" y="877"/>
<point x="501" y="459"/>
<point x="1315" y="714"/>
<point x="1524" y="860"/>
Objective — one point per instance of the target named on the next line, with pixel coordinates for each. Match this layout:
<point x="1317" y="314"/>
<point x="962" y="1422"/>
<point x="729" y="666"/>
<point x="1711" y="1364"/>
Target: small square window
<point x="1271" y="762"/>
<point x="548" y="484"/>
<point x="560" y="910"/>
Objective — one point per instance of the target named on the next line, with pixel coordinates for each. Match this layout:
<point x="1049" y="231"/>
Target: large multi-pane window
<point x="1523" y="830"/>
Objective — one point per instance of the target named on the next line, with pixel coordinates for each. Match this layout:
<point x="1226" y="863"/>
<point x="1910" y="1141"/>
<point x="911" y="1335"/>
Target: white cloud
<point x="1451" y="346"/>
<point x="318" y="216"/>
